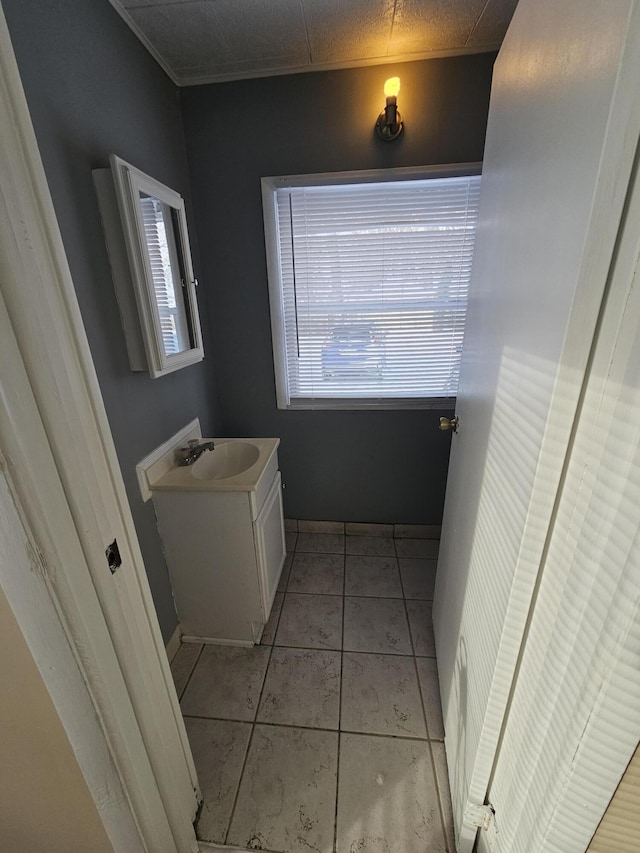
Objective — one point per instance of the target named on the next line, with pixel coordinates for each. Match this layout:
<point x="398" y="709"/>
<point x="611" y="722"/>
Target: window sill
<point x="337" y="404"/>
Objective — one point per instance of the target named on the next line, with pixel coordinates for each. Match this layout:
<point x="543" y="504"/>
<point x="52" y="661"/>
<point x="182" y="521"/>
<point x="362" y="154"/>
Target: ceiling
<point x="207" y="41"/>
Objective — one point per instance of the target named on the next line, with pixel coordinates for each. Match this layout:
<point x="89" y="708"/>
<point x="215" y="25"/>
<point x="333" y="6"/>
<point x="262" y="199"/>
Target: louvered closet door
<point x="563" y="126"/>
<point x="574" y="721"/>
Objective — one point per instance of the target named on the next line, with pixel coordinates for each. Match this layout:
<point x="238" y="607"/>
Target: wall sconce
<point x="389" y="124"/>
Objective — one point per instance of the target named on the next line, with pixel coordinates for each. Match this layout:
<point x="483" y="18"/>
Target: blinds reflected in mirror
<point x="165" y="262"/>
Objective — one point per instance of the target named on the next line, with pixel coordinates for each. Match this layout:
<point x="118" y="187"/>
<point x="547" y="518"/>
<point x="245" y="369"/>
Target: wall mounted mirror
<point x="146" y="230"/>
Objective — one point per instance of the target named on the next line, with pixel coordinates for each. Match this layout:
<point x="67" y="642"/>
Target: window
<point x="368" y="280"/>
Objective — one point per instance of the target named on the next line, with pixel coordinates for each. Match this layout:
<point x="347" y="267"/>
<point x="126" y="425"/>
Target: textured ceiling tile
<point x="213" y="32"/>
<point x="493" y="24"/>
<point x="262" y="28"/>
<point x="348" y="30"/>
<point x="231" y="70"/>
<point x="421" y="26"/>
<point x="182" y="33"/>
<point x="258" y="37"/>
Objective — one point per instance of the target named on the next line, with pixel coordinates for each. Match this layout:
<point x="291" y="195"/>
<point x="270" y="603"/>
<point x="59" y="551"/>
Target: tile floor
<point x="328" y="736"/>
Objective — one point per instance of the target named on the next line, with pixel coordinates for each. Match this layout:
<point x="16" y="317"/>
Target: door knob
<point x="452" y="424"/>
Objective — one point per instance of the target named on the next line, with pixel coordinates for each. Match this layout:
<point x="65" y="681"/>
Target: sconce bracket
<point x="388" y="131"/>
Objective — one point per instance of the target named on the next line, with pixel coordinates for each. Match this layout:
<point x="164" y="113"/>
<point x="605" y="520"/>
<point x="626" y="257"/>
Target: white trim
<point x="211" y="845"/>
<point x="120" y="269"/>
<point x="370" y="403"/>
<point x="212" y="641"/>
<point x="174" y="644"/>
<point x="184" y="79"/>
<point x="160" y="460"/>
<point x="367" y="176"/>
<point x="135" y="29"/>
<point x="55" y="433"/>
<point x="276" y="309"/>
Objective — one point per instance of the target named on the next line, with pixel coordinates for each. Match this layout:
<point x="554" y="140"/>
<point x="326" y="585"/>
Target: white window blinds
<point x="373" y="281"/>
<point x="163" y="261"/>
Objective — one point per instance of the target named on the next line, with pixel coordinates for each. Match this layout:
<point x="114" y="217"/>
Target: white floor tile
<point x="418" y="577"/>
<point x="380" y="695"/>
<point x="269" y="633"/>
<point x="376" y="690"/>
<point x="321" y="526"/>
<point x="322" y="574"/>
<point x="418" y="548"/>
<point x="219" y="748"/>
<point x="375" y="546"/>
<point x="377" y="576"/>
<point x="421" y="623"/>
<point x="417" y="531"/>
<point x="302" y="688"/>
<point x="323" y="543"/>
<point x="287" y="794"/>
<point x="226" y="683"/>
<point x="428" y="675"/>
<point x="290" y="540"/>
<point x="387" y="797"/>
<point x="440" y="760"/>
<point x="284" y="574"/>
<point x="376" y="625"/>
<point x="356" y="528"/>
<point x="311" y="621"/>
<point x="183" y="663"/>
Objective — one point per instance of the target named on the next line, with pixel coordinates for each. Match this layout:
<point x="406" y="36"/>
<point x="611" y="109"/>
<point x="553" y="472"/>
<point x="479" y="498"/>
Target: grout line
<point x="426" y="723"/>
<point x="276" y="725"/>
<point x="253" y="728"/>
<point x="193" y="668"/>
<point x="355" y="651"/>
<point x="344" y="586"/>
<point x="439" y="793"/>
<point x="240" y="777"/>
<point x="352" y="595"/>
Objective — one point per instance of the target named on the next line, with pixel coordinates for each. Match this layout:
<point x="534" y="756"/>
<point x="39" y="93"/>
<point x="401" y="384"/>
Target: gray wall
<point x="92" y="90"/>
<point x="346" y="465"/>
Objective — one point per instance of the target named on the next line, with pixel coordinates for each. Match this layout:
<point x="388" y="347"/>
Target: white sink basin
<point x="228" y="459"/>
<point x="235" y="465"/>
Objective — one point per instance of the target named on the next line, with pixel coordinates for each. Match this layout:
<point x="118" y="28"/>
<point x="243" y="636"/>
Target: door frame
<point x="60" y="462"/>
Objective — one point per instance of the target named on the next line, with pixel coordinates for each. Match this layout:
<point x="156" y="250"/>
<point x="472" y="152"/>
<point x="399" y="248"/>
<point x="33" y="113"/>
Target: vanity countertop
<point x="192" y="478"/>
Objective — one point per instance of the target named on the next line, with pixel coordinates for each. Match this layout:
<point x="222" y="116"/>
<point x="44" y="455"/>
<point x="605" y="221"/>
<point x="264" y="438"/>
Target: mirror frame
<point x="129" y="182"/>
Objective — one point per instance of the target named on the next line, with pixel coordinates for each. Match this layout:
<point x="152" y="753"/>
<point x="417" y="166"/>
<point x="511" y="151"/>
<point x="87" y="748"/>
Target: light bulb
<point x="392" y="87"/>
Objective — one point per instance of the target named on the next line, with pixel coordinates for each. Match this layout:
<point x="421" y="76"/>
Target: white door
<point x="574" y="720"/>
<point x="58" y="449"/>
<point x="563" y="126"/>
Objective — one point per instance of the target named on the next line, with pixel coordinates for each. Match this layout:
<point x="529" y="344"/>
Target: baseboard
<point x="189" y="638"/>
<point x="174" y="643"/>
<point x="204" y="846"/>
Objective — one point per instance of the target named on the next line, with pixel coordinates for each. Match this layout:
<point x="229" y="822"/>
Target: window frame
<point x="274" y="273"/>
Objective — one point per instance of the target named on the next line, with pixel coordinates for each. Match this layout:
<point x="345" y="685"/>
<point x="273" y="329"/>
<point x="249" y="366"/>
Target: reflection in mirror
<point x="167" y="271"/>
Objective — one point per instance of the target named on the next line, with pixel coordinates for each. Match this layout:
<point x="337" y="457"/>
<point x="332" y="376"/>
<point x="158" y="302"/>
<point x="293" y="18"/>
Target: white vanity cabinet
<point x="225" y="549"/>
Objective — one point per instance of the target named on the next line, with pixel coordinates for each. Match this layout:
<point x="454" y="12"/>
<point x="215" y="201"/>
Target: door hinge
<point x="480" y="816"/>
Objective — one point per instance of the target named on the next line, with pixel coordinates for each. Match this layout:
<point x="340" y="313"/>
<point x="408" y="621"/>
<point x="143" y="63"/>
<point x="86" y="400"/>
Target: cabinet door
<point x="270" y="549"/>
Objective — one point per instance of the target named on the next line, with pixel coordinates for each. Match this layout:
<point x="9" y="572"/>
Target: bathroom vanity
<point x="222" y="529"/>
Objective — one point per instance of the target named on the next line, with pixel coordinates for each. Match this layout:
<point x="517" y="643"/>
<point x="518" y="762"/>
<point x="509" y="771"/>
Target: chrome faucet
<point x="192" y="452"/>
